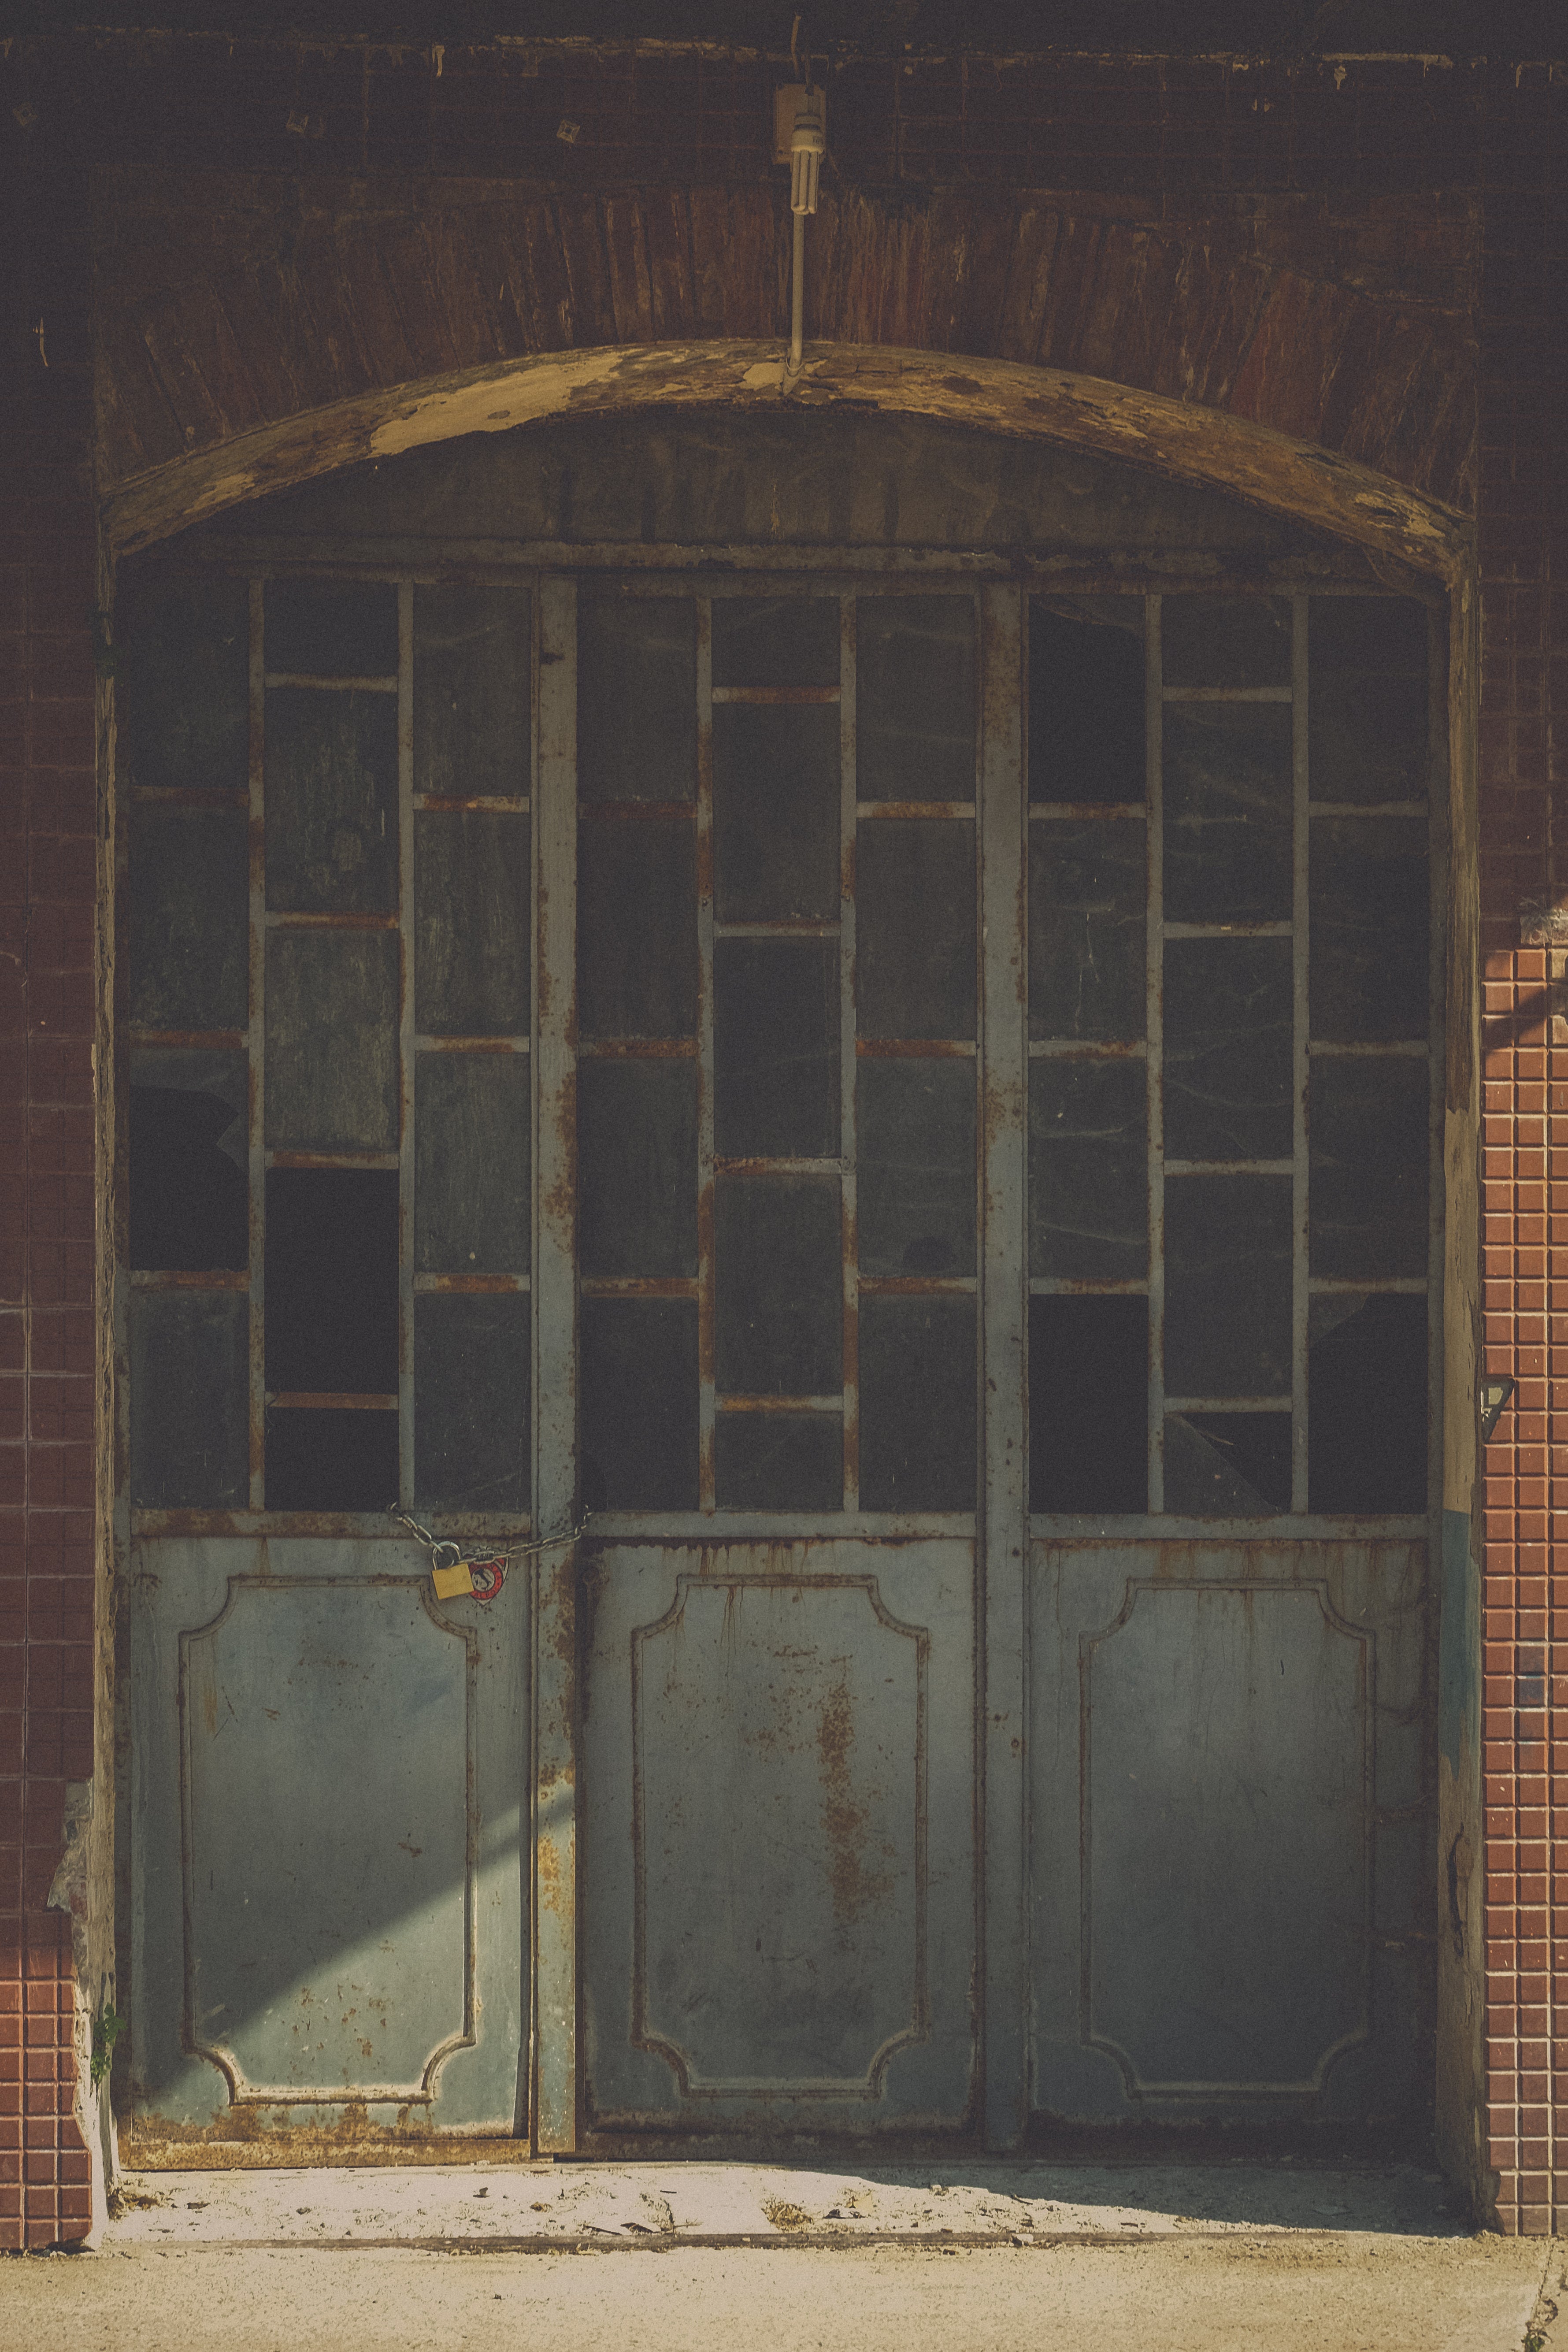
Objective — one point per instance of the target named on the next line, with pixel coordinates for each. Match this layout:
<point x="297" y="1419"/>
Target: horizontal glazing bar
<point x="183" y="1278"/>
<point x="476" y="1285"/>
<point x="1413" y="1286"/>
<point x="775" y="694"/>
<point x="337" y="684"/>
<point x="871" y="810"/>
<point x="192" y="795"/>
<point x="1230" y="1167"/>
<point x="786" y="928"/>
<point x="328" y="1400"/>
<point x="360" y="1526"/>
<point x="208" y="1041"/>
<point x="635" y="812"/>
<point x="1366" y="808"/>
<point x="280" y="921"/>
<point x="917" y="1286"/>
<point x="1074" y="1049"/>
<point x="1414" y="1049"/>
<point x="918" y="1049"/>
<point x="1227" y="931"/>
<point x="1121" y="1527"/>
<point x="470" y="1044"/>
<point x="1059" y="1286"/>
<point x="1054" y="812"/>
<point x="637" y="1286"/>
<point x="807" y="1528"/>
<point x="1225" y="693"/>
<point x="638" y="1049"/>
<point x="1227" y="1404"/>
<point x="779" y="1166"/>
<point x="780" y="1405"/>
<point x="498" y="804"/>
<point x="332" y="1159"/>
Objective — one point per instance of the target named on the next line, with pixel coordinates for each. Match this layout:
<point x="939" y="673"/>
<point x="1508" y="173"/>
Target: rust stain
<point x="844" y="1821"/>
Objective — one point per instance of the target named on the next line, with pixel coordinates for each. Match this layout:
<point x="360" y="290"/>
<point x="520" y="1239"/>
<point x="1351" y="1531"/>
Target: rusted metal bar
<point x="1076" y="1049"/>
<point x="181" y="1278"/>
<point x="1283" y="1527"/>
<point x="333" y="685"/>
<point x="1099" y="812"/>
<point x="834" y="1404"/>
<point x="707" y="1308"/>
<point x="191" y="795"/>
<point x="1227" y="1404"/>
<point x="1300" y="1024"/>
<point x="779" y="1166"/>
<point x="787" y="926"/>
<point x="331" y="1158"/>
<point x="257" y="1155"/>
<point x="775" y="694"/>
<point x="1369" y="808"/>
<point x="635" y="812"/>
<point x="292" y="920"/>
<point x="423" y="1044"/>
<point x="407" y="1045"/>
<point x="918" y="1285"/>
<point x="915" y="808"/>
<point x="500" y="803"/>
<point x="1411" y="1049"/>
<point x="476" y="1285"/>
<point x="1154" y="1038"/>
<point x="1225" y="693"/>
<point x="639" y="1049"/>
<point x="329" y="1401"/>
<point x="1229" y="1167"/>
<point x="214" y="1041"/>
<point x="1063" y="1286"/>
<point x="849" y="1214"/>
<point x="1354" y="1284"/>
<point x="1228" y="930"/>
<point x="928" y="1049"/>
<point x="638" y="1286"/>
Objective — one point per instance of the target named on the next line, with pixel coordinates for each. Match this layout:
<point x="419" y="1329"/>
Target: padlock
<point x="454" y="1582"/>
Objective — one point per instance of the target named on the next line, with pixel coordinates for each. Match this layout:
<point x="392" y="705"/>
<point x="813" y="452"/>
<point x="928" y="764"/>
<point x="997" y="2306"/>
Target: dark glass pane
<point x="914" y="698"/>
<point x="190" y="1412"/>
<point x="331" y="1041"/>
<point x="917" y="1404"/>
<point x="1225" y="640"/>
<point x="1087" y="929"/>
<point x="1228" y="812"/>
<point x="331" y="1461"/>
<point x="331" y="628"/>
<point x="638" y="1381"/>
<point x="776" y="1049"/>
<point x="915" y="928"/>
<point x="471" y="1372"/>
<point x="915" y="1192"/>
<point x="637" y="1160"/>
<point x="775" y="811"/>
<point x="1088" y="1170"/>
<point x="779" y="1462"/>
<point x="471" y="1155"/>
<point x="775" y="641"/>
<point x="1229" y="1009"/>
<point x="470" y="924"/>
<point x="1227" y="1286"/>
<point x="183" y="696"/>
<point x="471" y="697"/>
<point x="636" y="930"/>
<point x="1088" y="1404"/>
<point x="1227" y="1465"/>
<point x="1367" y="707"/>
<point x="1366" y="1403"/>
<point x="332" y="1281"/>
<point x="331" y="802"/>
<point x="1371" y="1155"/>
<point x="1369" y="977"/>
<point x="779" y="1282"/>
<point x="189" y="1160"/>
<point x="1086" y="699"/>
<point x="189" y="919"/>
<point x="637" y="697"/>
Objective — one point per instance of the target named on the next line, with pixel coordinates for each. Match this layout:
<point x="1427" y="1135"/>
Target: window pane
<point x="1088" y="1170"/>
<point x="914" y="698"/>
<point x="1227" y="1286"/>
<point x="1088" y="884"/>
<point x="470" y="924"/>
<point x="1227" y="788"/>
<point x="1225" y="640"/>
<point x="1227" y="1465"/>
<point x="472" y="694"/>
<point x="1227" y="1050"/>
<point x="1086" y="699"/>
<point x="775" y="811"/>
<point x="915" y="1188"/>
<point x="1371" y="1154"/>
<point x="331" y="628"/>
<point x="917" y="1404"/>
<point x="636" y="1158"/>
<point x="472" y="1374"/>
<point x="331" y="1280"/>
<point x="190" y="1444"/>
<point x="637" y="697"/>
<point x="639" y="1380"/>
<point x="636" y="930"/>
<point x="779" y="1283"/>
<point x="331" y="1041"/>
<point x="1369" y="977"/>
<point x="182" y="697"/>
<point x="189" y="1204"/>
<point x="331" y="1461"/>
<point x="915" y="928"/>
<point x="471" y="1174"/>
<point x="1366" y="1403"/>
<point x="1088" y="1404"/>
<point x="1367" y="712"/>
<point x="775" y="641"/>
<point x="779" y="1462"/>
<point x="331" y="802"/>
<point x="189" y="919"/>
<point x="776" y="1049"/>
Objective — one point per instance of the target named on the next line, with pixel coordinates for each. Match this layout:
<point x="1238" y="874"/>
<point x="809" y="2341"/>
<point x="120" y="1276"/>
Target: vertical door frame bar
<point x="1004" y="1322"/>
<point x="1154" y="1038"/>
<point x="554" y="1645"/>
<point x="257" y="1044"/>
<point x="1300" y="1027"/>
<point x="707" y="1402"/>
<point x="847" y="1026"/>
<point x="405" y="1044"/>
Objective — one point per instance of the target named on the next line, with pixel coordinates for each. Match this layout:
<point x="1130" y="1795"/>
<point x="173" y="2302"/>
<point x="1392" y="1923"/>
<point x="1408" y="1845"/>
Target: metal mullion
<point x="1098" y="1049"/>
<point x="1300" y="1025"/>
<point x="1154" y="1043"/>
<point x="256" y="1041"/>
<point x="847" y="1064"/>
<point x="1225" y="693"/>
<point x="1069" y="1285"/>
<point x="337" y="684"/>
<point x="707" y="1402"/>
<point x="405" y="1044"/>
<point x="500" y="1046"/>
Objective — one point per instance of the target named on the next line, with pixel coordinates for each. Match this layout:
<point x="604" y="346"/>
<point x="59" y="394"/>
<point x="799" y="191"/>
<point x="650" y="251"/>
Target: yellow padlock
<point x="453" y="1582"/>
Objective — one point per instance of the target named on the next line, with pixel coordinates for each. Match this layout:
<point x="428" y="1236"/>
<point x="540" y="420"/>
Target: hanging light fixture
<point x="800" y="139"/>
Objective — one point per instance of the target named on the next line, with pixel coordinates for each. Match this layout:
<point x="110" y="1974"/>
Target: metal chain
<point x="438" y="1546"/>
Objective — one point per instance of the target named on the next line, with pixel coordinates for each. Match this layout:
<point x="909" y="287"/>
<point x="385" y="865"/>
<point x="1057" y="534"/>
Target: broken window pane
<point x="190" y="924"/>
<point x="1227" y="1049"/>
<point x="775" y="641"/>
<point x="471" y="695"/>
<point x="1225" y="640"/>
<point x="779" y="1282"/>
<point x="1369" y="978"/>
<point x="183" y="696"/>
<point x="1367" y="1402"/>
<point x="1367" y="702"/>
<point x="1088" y="926"/>
<point x="638" y="1385"/>
<point x="190" y="1412"/>
<point x="636" y="929"/>
<point x="470" y="924"/>
<point x="779" y="1462"/>
<point x="636" y="1157"/>
<point x="1227" y="1465"/>
<point x="331" y="628"/>
<point x="471" y="1373"/>
<point x="918" y="1375"/>
<point x="915" y="1188"/>
<point x="1227" y="788"/>
<point x="331" y="802"/>
<point x="1088" y="1404"/>
<point x="1227" y="1286"/>
<point x="1371" y="1155"/>
<point x="329" y="1460"/>
<point x="331" y="1280"/>
<point x="1086" y="699"/>
<point x="775" y="811"/>
<point x="331" y="1040"/>
<point x="915" y="698"/>
<point x="471" y="1151"/>
<point x="1089" y="1169"/>
<point x="637" y="697"/>
<point x="915" y="928"/>
<point x="776" y="1049"/>
<point x="189" y="1206"/>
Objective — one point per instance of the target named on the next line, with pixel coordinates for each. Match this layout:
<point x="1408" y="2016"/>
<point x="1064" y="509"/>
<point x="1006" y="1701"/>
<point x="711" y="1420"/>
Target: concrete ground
<point x="991" y="2257"/>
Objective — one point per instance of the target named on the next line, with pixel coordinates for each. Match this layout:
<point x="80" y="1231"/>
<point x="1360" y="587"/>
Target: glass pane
<point x="189" y="1205"/>
<point x="776" y="1049"/>
<point x="917" y="1373"/>
<point x="775" y="641"/>
<point x="1366" y="711"/>
<point x="1088" y="931"/>
<point x="1225" y="640"/>
<point x="1227" y="1286"/>
<point x="779" y="1462"/>
<point x="639" y="1380"/>
<point x="471" y="1153"/>
<point x="190" y="1409"/>
<point x="1366" y="1403"/>
<point x="182" y="697"/>
<point x="471" y="697"/>
<point x="189" y="919"/>
<point x="331" y="802"/>
<point x="331" y="628"/>
<point x="331" y="1461"/>
<point x="1371" y="1151"/>
<point x="779" y="1285"/>
<point x="637" y="697"/>
<point x="470" y="924"/>
<point x="915" y="1192"/>
<point x="1088" y="1170"/>
<point x="636" y="930"/>
<point x="1228" y="812"/>
<point x="636" y="1159"/>
<point x="1229" y="1011"/>
<point x="471" y="1372"/>
<point x="332" y="1077"/>
<point x="332" y="1281"/>
<point x="1369" y="977"/>
<point x="914" y="698"/>
<point x="1227" y="1465"/>
<point x="1088" y="1404"/>
<point x="915" y="928"/>
<point x="1086" y="699"/>
<point x="775" y="811"/>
